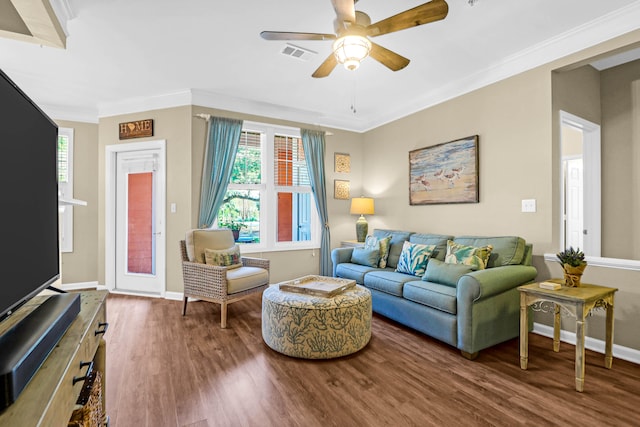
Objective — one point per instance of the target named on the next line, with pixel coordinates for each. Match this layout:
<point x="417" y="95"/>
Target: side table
<point x="351" y="244"/>
<point x="578" y="302"/>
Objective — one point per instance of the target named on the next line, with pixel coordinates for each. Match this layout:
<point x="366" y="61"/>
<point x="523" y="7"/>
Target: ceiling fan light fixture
<point x="350" y="50"/>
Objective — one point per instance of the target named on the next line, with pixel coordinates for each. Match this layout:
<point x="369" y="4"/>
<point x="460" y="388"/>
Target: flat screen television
<point x="29" y="257"/>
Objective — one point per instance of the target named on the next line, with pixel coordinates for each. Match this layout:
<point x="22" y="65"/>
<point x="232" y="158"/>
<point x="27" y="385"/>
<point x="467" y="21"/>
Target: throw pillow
<point x="445" y="274"/>
<point x="382" y="244"/>
<point x="413" y="258"/>
<point x="224" y="257"/>
<point x="477" y="258"/>
<point x="368" y="257"/>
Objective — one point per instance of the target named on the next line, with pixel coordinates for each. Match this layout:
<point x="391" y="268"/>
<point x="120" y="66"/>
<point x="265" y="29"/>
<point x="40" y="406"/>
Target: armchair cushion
<point x="198" y="240"/>
<point x="229" y="258"/>
<point x="243" y="278"/>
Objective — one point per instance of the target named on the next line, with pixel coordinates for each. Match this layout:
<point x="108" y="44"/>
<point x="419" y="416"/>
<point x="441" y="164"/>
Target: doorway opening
<point x="580" y="184"/>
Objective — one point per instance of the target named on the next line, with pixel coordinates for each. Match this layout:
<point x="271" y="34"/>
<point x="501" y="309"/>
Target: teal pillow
<point x="413" y="258"/>
<point x="445" y="274"/>
<point x="368" y="257"/>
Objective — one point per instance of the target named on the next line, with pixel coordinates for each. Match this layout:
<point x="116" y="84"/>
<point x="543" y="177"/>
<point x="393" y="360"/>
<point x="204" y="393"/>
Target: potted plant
<point x="234" y="226"/>
<point x="573" y="264"/>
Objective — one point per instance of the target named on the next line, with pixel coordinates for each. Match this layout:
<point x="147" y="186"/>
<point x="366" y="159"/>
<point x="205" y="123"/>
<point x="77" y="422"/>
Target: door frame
<point x="591" y="155"/>
<point x="111" y="152"/>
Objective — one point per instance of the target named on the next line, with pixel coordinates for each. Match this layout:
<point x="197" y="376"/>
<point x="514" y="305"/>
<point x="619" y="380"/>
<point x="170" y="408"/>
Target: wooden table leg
<point x="524" y="331"/>
<point x="608" y="349"/>
<point x="580" y="347"/>
<point x="556" y="327"/>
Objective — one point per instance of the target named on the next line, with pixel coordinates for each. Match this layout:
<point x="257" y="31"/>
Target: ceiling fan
<point x="353" y="29"/>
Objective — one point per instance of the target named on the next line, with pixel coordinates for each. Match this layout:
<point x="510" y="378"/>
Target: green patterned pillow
<point x="383" y="245"/>
<point x="413" y="258"/>
<point x="477" y="258"/>
<point x="225" y="258"/>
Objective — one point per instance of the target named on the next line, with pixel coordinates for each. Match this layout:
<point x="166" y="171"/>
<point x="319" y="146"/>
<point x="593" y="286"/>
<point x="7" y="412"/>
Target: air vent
<point x="297" y="52"/>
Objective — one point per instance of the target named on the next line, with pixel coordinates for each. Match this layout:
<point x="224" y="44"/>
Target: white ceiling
<point x="123" y="56"/>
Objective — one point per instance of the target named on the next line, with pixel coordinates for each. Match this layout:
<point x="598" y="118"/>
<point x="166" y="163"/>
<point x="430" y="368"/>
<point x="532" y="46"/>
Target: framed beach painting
<point x="444" y="173"/>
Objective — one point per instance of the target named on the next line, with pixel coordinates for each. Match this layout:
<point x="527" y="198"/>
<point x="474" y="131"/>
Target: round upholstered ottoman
<point x="313" y="327"/>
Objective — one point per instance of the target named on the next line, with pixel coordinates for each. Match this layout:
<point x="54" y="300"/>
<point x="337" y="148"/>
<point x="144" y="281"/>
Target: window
<point x="269" y="200"/>
<point x="65" y="186"/>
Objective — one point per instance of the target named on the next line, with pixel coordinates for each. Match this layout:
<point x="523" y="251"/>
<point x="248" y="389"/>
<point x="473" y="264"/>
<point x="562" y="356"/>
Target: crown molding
<point x="607" y="27"/>
<point x="148" y="103"/>
<point x="72" y="114"/>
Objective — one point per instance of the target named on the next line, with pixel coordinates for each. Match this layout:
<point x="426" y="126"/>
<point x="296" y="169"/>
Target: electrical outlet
<point x="528" y="205"/>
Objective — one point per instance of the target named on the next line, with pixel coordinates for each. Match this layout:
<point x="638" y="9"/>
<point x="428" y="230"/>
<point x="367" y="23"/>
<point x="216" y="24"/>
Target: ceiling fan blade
<point x="326" y="67"/>
<point x="388" y="58"/>
<point x="283" y="35"/>
<point x="435" y="10"/>
<point x="345" y="10"/>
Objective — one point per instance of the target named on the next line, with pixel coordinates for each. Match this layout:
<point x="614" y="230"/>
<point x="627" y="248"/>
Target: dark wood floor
<point x="167" y="370"/>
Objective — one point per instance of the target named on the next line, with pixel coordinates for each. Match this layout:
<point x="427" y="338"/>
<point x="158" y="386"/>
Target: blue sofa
<point x="471" y="310"/>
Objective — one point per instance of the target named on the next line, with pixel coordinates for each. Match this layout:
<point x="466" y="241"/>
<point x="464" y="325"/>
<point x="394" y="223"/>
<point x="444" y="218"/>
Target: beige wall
<point x="619" y="163"/>
<point x="81" y="265"/>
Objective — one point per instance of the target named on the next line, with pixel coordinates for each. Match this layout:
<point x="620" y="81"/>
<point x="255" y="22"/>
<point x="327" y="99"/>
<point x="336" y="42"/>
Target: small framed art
<point x="342" y="162"/>
<point x="341" y="189"/>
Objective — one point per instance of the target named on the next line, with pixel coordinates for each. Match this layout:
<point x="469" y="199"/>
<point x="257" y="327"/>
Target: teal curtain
<point x="220" y="153"/>
<point x="313" y="144"/>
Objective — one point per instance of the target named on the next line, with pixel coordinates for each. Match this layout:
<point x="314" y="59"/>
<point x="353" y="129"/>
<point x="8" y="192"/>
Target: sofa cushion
<point x="363" y="256"/>
<point x="507" y="250"/>
<point x="445" y="274"/>
<point x="476" y="257"/>
<point x="387" y="281"/>
<point x="398" y="238"/>
<point x="433" y="239"/>
<point x="383" y="245"/>
<point x="356" y="272"/>
<point x="413" y="258"/>
<point x="434" y="295"/>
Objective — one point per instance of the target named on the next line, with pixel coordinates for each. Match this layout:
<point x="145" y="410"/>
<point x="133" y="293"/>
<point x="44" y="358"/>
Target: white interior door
<point x="138" y="226"/>
<point x="574" y="204"/>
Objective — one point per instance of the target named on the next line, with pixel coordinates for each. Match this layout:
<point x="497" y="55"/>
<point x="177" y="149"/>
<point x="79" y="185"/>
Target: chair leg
<point x="184" y="307"/>
<point x="223" y="315"/>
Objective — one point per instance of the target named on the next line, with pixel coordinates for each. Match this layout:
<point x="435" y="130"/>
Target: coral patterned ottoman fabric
<point x="313" y="327"/>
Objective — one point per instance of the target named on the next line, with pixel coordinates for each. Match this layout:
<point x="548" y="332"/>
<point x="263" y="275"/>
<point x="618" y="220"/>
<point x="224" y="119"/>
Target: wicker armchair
<point x="214" y="283"/>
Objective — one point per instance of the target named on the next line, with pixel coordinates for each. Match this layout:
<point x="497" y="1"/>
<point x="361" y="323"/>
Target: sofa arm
<point x="481" y="284"/>
<point x="340" y="255"/>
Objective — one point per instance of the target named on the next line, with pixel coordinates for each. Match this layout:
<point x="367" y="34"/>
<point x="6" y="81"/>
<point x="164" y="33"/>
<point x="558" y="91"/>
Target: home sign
<point x="137" y="129"/>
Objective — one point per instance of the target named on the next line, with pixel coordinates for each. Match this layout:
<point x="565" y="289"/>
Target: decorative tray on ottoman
<point x="321" y="286"/>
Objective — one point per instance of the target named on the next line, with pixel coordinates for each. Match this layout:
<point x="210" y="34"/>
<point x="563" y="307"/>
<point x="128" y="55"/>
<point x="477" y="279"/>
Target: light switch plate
<point x="528" y="205"/>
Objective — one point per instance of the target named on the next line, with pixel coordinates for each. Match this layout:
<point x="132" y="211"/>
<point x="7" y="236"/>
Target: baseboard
<point x="79" y="285"/>
<point x="177" y="296"/>
<point x="621" y="352"/>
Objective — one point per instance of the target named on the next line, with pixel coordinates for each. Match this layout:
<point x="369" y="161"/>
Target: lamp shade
<point x="362" y="206"/>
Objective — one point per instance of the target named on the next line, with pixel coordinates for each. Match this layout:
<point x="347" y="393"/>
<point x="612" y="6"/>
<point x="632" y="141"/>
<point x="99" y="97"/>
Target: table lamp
<point x="362" y="206"/>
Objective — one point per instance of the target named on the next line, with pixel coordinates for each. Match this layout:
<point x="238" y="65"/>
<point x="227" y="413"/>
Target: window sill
<point x="246" y="249"/>
<point x="616" y="263"/>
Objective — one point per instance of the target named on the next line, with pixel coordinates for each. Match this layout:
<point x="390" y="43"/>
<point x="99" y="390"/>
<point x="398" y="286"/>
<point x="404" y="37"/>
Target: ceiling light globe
<point x="350" y="50"/>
